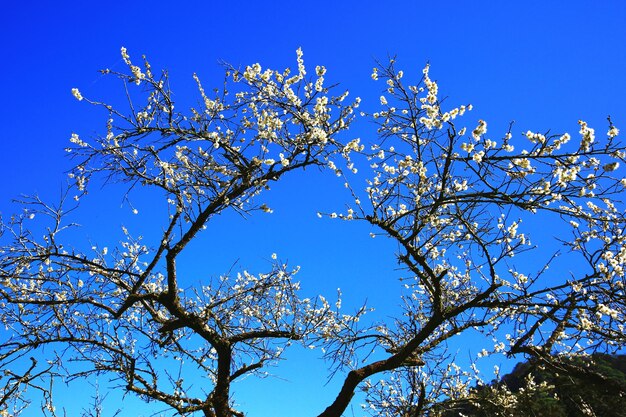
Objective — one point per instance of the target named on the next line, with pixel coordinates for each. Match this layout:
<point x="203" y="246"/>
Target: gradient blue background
<point x="543" y="64"/>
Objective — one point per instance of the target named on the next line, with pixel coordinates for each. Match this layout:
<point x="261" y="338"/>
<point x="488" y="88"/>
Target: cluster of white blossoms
<point x="76" y="93"/>
<point x="431" y="115"/>
<point x="276" y="132"/>
<point x="75" y="139"/>
<point x="588" y="136"/>
<point x="136" y="71"/>
<point x="211" y="106"/>
<point x="253" y="302"/>
<point x="480" y="130"/>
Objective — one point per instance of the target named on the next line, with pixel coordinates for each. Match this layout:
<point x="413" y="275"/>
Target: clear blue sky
<point x="544" y="64"/>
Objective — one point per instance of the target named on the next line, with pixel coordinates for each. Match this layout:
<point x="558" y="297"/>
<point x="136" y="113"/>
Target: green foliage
<point x="578" y="386"/>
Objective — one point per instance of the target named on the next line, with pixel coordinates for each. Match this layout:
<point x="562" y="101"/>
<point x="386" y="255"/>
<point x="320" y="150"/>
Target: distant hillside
<point x="592" y="386"/>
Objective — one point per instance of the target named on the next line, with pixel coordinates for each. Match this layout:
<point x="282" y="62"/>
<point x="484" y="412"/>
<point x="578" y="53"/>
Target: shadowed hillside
<point x="593" y="386"/>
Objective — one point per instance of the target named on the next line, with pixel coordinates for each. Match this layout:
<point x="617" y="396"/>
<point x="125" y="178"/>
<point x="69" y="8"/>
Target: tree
<point x="452" y="199"/>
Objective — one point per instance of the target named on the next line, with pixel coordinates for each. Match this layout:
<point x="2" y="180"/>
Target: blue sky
<point x="543" y="64"/>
